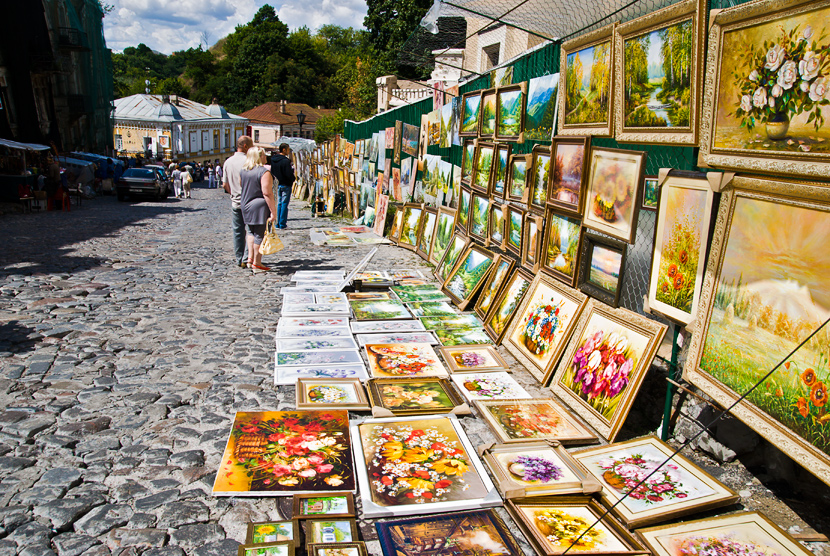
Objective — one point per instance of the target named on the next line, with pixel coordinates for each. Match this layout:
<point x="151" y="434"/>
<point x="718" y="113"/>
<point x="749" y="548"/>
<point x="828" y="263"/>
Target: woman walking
<point x="257" y="204"/>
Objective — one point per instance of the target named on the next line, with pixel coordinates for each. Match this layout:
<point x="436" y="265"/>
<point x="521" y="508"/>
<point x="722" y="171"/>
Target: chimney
<point x="282" y="107"/>
<point x="174" y="99"/>
<point x="165" y="99"/>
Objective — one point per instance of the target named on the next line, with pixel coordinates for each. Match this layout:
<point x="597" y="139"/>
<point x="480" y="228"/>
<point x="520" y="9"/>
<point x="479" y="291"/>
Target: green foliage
<point x="390" y="22"/>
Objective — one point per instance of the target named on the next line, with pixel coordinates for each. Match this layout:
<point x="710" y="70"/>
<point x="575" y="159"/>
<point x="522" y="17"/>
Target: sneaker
<point x="257" y="268"/>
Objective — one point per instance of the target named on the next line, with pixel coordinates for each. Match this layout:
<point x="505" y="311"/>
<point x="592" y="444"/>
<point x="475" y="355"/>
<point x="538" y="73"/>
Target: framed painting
<point x="480" y="217"/>
<point x="532" y="240"/>
<point x="651" y="193"/>
<point x="746" y="532"/>
<point x="504" y="306"/>
<point x="462" y="336"/>
<point x="444" y="227"/>
<point x="427" y="233"/>
<point x="396" y="142"/>
<point x="537" y="419"/>
<point x="411" y="226"/>
<point x="492" y="286"/>
<point x="472" y="359"/>
<point x="318" y="357"/>
<point x="303" y="344"/>
<point x="288" y="375"/>
<point x="470" y="108"/>
<point x="315" y="506"/>
<point x="270" y="548"/>
<point x="260" y="532"/>
<point x="483" y="167"/>
<point x="432" y="309"/>
<point x="468" y="154"/>
<point x="330" y="530"/>
<point x="613" y="193"/>
<point x="513" y="221"/>
<point x="537" y="469"/>
<point x="657" y="72"/>
<point x="314" y="322"/>
<point x="357" y="548"/>
<point x="384" y="444"/>
<point x="387" y="326"/>
<point x="539" y="177"/>
<point x="479" y="532"/>
<point x="455" y="321"/>
<point x="516" y="186"/>
<point x="414" y="396"/>
<point x="502" y="157"/>
<point x="543" y="324"/>
<point x="331" y="393"/>
<point x="542" y="103"/>
<point x="409" y="139"/>
<point x="631" y="341"/>
<point x="454" y="249"/>
<point x="495" y="385"/>
<point x="677" y="488"/>
<point x="510" y="111"/>
<point x="379" y="309"/>
<point x="570" y="171"/>
<point x="497" y="226"/>
<point x="420" y="296"/>
<point x="242" y="473"/>
<point x="404" y="360"/>
<point x="469" y="274"/>
<point x="553" y="524"/>
<point x="488" y="114"/>
<point x="425" y="337"/>
<point x="587" y="68"/>
<point x="560" y="253"/>
<point x="755" y="309"/>
<point x="601" y="266"/>
<point x="462" y="216"/>
<point x="397" y="223"/>
<point x="750" y="125"/>
<point x="680" y="242"/>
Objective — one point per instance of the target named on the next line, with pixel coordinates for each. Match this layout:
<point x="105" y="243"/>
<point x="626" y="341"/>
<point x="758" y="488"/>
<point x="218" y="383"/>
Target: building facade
<point x="272" y="120"/>
<point x="56" y="75"/>
<point x="167" y="127"/>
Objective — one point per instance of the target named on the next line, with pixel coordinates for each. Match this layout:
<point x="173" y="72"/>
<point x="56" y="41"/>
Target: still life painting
<point x="612" y="200"/>
<point x="523" y="420"/>
<point x="465" y="359"/>
<point x="537" y="469"/>
<point x="332" y="393"/>
<point x="404" y="360"/>
<point x="275" y="453"/>
<point x="414" y="396"/>
<point x="498" y="385"/>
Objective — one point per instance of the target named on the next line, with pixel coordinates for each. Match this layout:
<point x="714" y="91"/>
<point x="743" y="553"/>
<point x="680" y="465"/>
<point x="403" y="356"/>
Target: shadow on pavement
<point x="18" y="338"/>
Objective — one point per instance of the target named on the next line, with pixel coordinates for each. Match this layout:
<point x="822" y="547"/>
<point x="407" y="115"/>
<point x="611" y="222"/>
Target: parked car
<point x="148" y="181"/>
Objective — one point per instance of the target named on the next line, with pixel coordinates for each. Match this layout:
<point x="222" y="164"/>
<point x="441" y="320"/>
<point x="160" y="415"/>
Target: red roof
<point x="269" y="113"/>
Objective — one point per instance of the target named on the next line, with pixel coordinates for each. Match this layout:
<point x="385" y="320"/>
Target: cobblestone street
<point x="128" y="339"/>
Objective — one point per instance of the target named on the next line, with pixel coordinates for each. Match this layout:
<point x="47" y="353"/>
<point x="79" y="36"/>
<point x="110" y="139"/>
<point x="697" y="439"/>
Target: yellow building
<point x="165" y="127"/>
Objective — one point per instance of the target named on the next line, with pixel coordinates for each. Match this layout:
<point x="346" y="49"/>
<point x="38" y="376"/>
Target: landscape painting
<point x="588" y="85"/>
<point x="510" y="110"/>
<point x="505" y="306"/>
<point x="450" y="256"/>
<point x="540" y="177"/>
<point x="540" y="114"/>
<point x="487" y="121"/>
<point x="562" y="247"/>
<point x="483" y="166"/>
<point x="464" y="210"/>
<point x="445" y="140"/>
<point x="409" y="141"/>
<point x="496" y="225"/>
<point x="515" y="217"/>
<point x="500" y="174"/>
<point x="469" y="113"/>
<point x="443" y="235"/>
<point x="480" y="217"/>
<point x="517" y="176"/>
<point x="468" y="275"/>
<point x="467" y="158"/>
<point x="410" y="226"/>
<point x="605" y="268"/>
<point x="657" y="76"/>
<point x="569" y="157"/>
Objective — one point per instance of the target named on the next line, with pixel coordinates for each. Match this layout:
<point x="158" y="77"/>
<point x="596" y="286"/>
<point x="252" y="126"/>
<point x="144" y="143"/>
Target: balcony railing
<point x="69" y="37"/>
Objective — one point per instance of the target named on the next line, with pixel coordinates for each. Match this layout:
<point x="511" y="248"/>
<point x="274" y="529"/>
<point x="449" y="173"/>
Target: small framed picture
<point x="516" y="187"/>
<point x="330" y="530"/>
<point x="330" y="505"/>
<point x="483" y="167"/>
<point x="331" y="393"/>
<point x="261" y="532"/>
<point x="337" y="549"/>
<point x="269" y="549"/>
<point x="414" y="396"/>
<point x="651" y="193"/>
<point x="602" y="261"/>
<point x="496" y="385"/>
<point x="529" y="420"/>
<point x="532" y="241"/>
<point x="473" y="358"/>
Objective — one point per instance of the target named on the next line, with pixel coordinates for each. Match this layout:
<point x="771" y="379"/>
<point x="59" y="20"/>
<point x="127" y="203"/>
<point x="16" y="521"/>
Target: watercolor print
<point x="562" y="246"/>
<point x="483" y="167"/>
<point x="480" y="217"/>
<point x="468" y="275"/>
<point x="540" y="114"/>
<point x="295" y="332"/>
<point x="525" y="420"/>
<point x="443" y="235"/>
<point x="496" y="225"/>
<point x="289" y="375"/>
<point x="379" y="309"/>
<point x="540" y="177"/>
<point x="773" y="86"/>
<point x="518" y="178"/>
<point x="561" y="526"/>
<point x="681" y="240"/>
<point x="507" y="303"/>
<point x="451" y="256"/>
<point x="658" y="77"/>
<point x="319" y="357"/>
<point x="535" y="467"/>
<point x="428" y="395"/>
<point x="314" y="454"/>
<point x="510" y="105"/>
<point x="301" y="344"/>
<point x="568" y="174"/>
<point x="497" y="385"/>
<point x="420" y="461"/>
<point x="588" y="85"/>
<point x="488" y="294"/>
<point x="462" y="336"/>
<point x="607" y="358"/>
<point x="611" y="205"/>
<point x="469" y="114"/>
<point x="764" y="306"/>
<point x="397" y="338"/>
<point x="487" y="121"/>
<point x="605" y="268"/>
<point x="404" y="360"/>
<point x="539" y="332"/>
<point x="500" y="174"/>
<point x="514" y="229"/>
<point x="314" y="322"/>
<point x="387" y="326"/>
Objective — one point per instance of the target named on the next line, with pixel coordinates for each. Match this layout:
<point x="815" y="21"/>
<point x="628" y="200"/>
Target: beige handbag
<point x="271" y="243"/>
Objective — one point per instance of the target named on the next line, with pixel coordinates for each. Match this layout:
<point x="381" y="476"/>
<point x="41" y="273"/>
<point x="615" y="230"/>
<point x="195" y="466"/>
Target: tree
<point x="390" y="22"/>
<point x="172" y="86"/>
<point x="329" y="126"/>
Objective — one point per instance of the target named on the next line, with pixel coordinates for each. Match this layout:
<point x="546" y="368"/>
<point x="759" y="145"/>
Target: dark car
<point x="149" y="181"/>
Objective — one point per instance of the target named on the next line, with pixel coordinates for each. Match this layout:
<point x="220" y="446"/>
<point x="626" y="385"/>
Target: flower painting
<point x="279" y="452"/>
<point x="569" y="156"/>
<point x="468" y="275"/>
<point x="464" y="359"/>
<point x="404" y="360"/>
<point x="535" y="467"/>
<point x="318" y="357"/>
<point x="489" y="386"/>
<point x="534" y="419"/>
<point x="562" y="246"/>
<point x="289" y="375"/>
<point x="569" y="527"/>
<point x="588" y="85"/>
<point x="301" y="344"/>
<point x="417" y="462"/>
<point x="414" y="396"/>
<point x="331" y="394"/>
<point x="540" y="114"/>
<point x="612" y="197"/>
<point x="469" y="113"/>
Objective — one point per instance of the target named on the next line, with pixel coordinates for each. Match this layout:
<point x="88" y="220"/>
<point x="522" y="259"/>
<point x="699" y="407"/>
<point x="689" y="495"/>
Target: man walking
<point x="232" y="185"/>
<point x="283" y="174"/>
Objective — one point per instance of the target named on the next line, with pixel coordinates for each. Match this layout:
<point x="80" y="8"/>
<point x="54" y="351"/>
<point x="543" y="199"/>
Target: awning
<point x="23" y="146"/>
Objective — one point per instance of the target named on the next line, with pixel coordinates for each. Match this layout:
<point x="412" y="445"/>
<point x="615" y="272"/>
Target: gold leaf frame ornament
<point x="694" y="10"/>
<point x="800" y="161"/>
<point x="594" y="38"/>
<point x="761" y="192"/>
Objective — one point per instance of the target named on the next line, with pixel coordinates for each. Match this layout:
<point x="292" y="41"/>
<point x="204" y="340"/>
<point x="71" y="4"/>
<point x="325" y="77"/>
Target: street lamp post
<point x="301" y="121"/>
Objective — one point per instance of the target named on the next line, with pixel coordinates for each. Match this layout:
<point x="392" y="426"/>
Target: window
<point x="216" y="140"/>
<point x="256" y="136"/>
<point x="227" y="138"/>
<point x="119" y="143"/>
<point x="491" y="56"/>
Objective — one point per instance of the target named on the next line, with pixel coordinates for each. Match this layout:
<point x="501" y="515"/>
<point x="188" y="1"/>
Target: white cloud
<point x="170" y="25"/>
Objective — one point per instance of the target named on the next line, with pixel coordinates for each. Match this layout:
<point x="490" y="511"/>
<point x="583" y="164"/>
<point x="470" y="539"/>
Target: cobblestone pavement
<point x="127" y="341"/>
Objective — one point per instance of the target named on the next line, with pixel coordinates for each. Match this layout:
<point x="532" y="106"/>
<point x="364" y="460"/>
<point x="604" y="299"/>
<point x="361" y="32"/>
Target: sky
<point x="171" y="25"/>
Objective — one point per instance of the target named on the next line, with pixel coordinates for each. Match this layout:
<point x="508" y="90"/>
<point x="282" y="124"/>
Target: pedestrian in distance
<point x="187" y="180"/>
<point x="218" y="170"/>
<point x="257" y="201"/>
<point x="283" y="173"/>
<point x="211" y="175"/>
<point x="230" y="181"/>
<point x="176" y="176"/>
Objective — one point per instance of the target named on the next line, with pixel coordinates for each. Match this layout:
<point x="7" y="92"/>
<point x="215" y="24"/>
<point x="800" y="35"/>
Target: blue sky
<point x="170" y="25"/>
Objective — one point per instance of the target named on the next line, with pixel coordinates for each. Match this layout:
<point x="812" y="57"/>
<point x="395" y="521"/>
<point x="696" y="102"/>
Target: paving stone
<point x="57" y="440"/>
<point x="67" y="477"/>
<point x="220" y="548"/>
<point x="192" y="536"/>
<point x="187" y="512"/>
<point x="38" y="549"/>
<point x="30" y="533"/>
<point x="11" y="464"/>
<point x="84" y="427"/>
<point x="103" y="519"/>
<point x="37" y="494"/>
<point x="130" y="490"/>
<point x="142" y="521"/>
<point x="27" y="428"/>
<point x="97" y="550"/>
<point x="190" y="458"/>
<point x="166" y="551"/>
<point x="8" y="548"/>
<point x="73" y="544"/>
<point x="139" y="538"/>
<point x="63" y="513"/>
<point x="156" y="500"/>
<point x="157" y="456"/>
<point x="97" y="443"/>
